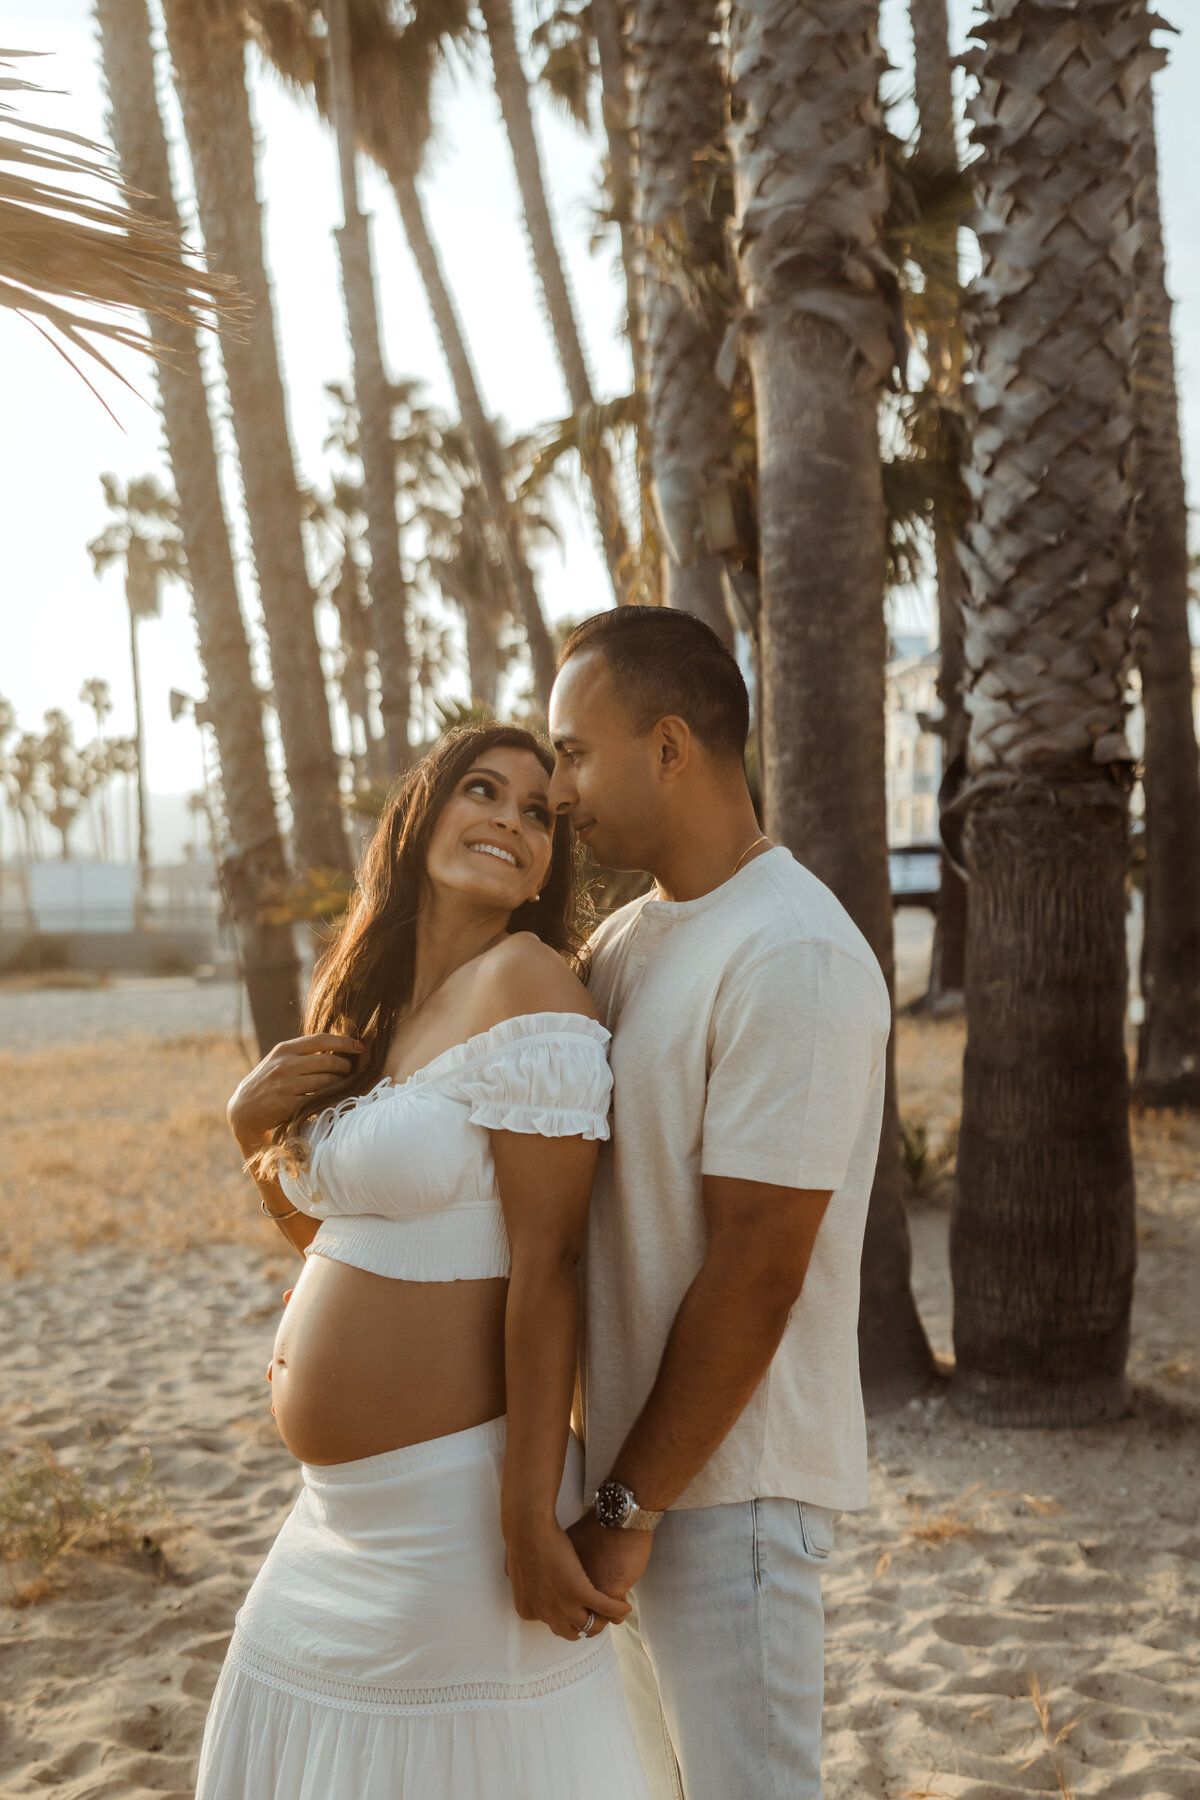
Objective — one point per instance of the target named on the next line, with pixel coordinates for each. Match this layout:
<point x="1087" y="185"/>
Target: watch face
<point x="613" y="1503"/>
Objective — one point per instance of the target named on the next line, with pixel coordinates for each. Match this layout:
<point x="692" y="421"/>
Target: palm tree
<point x="512" y="90"/>
<point x="144" y="538"/>
<point x="1168" y="1065"/>
<point x="937" y="159"/>
<point x="393" y="69"/>
<point x="605" y="17"/>
<point x="339" y="521"/>
<point x="253" y="865"/>
<point x="96" y="693"/>
<point x="679" y="114"/>
<point x="64" y="254"/>
<point x="811" y="189"/>
<point x="1042" y="1235"/>
<point x="390" y="601"/>
<point x="206" y="42"/>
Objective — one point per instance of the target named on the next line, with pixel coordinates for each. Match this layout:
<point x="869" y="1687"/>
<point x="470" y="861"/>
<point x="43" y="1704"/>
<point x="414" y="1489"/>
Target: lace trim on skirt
<point x="459" y="1696"/>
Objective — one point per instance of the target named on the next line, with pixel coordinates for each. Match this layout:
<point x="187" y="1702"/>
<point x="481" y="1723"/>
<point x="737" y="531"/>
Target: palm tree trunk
<point x="679" y="108"/>
<point x="1042" y="1233"/>
<point x="254" y="866"/>
<point x="391" y="91"/>
<point x="804" y="86"/>
<point x="205" y="38"/>
<point x="937" y="149"/>
<point x="139" y="724"/>
<point x="614" y="84"/>
<point x="479" y="429"/>
<point x="389" y="599"/>
<point x="512" y="90"/>
<point x="1168" y="1071"/>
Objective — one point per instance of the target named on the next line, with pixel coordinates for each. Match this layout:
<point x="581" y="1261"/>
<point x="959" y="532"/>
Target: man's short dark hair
<point x="665" y="662"/>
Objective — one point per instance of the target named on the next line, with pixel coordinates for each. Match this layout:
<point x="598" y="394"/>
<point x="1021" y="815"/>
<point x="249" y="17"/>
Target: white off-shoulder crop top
<point x="402" y="1177"/>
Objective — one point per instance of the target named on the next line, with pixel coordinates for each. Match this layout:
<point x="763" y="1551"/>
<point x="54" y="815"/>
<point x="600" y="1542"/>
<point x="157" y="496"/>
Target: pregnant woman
<point x="422" y="1628"/>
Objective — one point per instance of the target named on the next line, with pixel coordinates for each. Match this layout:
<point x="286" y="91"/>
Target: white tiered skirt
<point x="379" y="1656"/>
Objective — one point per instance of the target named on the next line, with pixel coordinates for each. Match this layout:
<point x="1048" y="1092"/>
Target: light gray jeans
<point x="723" y="1654"/>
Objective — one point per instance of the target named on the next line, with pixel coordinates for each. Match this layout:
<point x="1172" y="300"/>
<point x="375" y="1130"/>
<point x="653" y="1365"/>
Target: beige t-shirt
<point x="749" y="1029"/>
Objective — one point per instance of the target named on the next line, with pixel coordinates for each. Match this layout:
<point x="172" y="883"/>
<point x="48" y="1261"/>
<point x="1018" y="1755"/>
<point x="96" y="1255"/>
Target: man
<point x="722" y="1409"/>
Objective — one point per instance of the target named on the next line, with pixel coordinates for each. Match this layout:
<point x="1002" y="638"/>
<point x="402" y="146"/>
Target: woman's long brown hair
<point x="364" y="981"/>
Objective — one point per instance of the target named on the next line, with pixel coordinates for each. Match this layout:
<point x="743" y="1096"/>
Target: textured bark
<point x="1042" y="1235"/>
<point x="205" y="38"/>
<point x="614" y="87"/>
<point x="679" y="113"/>
<point x="938" y="150"/>
<point x="614" y="84"/>
<point x="254" y="865"/>
<point x="391" y="620"/>
<point x="1042" y="1246"/>
<point x="512" y="90"/>
<point x="1168" y="1071"/>
<point x="811" y="193"/>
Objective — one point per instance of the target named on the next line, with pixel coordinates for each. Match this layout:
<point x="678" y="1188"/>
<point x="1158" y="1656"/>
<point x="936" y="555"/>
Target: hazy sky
<point x="61" y="625"/>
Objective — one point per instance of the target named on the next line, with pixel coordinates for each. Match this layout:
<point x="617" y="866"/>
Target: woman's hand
<point x="271" y="1093"/>
<point x="549" y="1583"/>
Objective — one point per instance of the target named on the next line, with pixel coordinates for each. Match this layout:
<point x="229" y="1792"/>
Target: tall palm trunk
<point x="1168" y="1072"/>
<point x="139" y="757"/>
<point x="254" y="866"/>
<point x="679" y="109"/>
<point x="1042" y="1233"/>
<point x="205" y="38"/>
<point x="811" y="192"/>
<point x="392" y="105"/>
<point x="938" y="150"/>
<point x="614" y="87"/>
<point x="389" y="598"/>
<point x="480" y="430"/>
<point x="512" y="90"/>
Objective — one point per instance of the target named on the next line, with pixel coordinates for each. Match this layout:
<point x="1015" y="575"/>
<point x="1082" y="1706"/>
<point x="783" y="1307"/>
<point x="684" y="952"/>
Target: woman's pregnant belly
<point x="364" y="1364"/>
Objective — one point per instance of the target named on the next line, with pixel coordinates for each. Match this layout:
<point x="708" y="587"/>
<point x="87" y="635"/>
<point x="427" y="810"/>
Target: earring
<point x="535" y="900"/>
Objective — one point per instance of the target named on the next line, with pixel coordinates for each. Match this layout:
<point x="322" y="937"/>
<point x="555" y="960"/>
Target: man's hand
<point x="614" y="1559"/>
<point x="549" y="1583"/>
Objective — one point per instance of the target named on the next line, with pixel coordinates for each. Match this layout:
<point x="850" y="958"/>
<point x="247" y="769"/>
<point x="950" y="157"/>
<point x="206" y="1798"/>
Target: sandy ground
<point x="1015" y="1615"/>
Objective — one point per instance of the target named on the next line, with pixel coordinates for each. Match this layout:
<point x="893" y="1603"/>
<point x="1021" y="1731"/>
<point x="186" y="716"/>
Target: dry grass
<point x="121" y="1141"/>
<point x="1053" y="1741"/>
<point x="934" y="1529"/>
<point x="49" y="1513"/>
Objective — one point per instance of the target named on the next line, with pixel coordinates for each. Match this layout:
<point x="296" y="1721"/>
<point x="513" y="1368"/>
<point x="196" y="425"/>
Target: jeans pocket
<point x="816" y="1528"/>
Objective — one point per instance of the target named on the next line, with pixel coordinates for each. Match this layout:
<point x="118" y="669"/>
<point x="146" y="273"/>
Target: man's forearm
<point x="726" y="1331"/>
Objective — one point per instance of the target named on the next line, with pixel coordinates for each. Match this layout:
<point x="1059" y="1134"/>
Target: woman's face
<point x="494" y="837"/>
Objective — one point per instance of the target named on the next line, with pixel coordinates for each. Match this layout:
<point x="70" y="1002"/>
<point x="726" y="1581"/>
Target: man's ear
<point x="673" y="747"/>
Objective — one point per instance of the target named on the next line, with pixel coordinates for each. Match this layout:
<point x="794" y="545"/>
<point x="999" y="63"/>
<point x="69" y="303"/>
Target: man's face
<point x="605" y="776"/>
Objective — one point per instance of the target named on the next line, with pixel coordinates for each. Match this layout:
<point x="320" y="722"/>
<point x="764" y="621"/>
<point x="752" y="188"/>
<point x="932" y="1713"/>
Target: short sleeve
<point x="543" y="1078"/>
<point x="795" y="1048"/>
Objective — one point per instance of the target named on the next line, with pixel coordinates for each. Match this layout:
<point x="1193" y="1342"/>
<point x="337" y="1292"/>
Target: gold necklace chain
<point x="762" y="838"/>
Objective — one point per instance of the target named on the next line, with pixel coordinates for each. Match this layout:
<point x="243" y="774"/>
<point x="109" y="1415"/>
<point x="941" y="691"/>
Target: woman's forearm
<point x="541" y="1344"/>
<point x="297" y="1227"/>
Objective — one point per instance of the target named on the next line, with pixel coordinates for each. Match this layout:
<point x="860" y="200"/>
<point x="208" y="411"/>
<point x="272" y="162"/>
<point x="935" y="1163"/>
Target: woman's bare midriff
<point x="365" y="1364"/>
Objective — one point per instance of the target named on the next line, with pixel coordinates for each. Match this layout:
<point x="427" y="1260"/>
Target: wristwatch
<point x="614" y="1505"/>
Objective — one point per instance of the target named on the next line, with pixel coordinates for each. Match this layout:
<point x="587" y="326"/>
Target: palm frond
<point x="580" y="432"/>
<point x="63" y="254"/>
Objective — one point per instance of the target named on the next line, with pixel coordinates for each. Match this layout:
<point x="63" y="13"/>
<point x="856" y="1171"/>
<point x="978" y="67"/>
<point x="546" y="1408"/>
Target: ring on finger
<point x="587" y="1624"/>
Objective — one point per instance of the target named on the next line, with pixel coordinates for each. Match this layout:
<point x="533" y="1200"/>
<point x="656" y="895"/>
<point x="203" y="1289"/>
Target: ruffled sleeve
<point x="545" y="1073"/>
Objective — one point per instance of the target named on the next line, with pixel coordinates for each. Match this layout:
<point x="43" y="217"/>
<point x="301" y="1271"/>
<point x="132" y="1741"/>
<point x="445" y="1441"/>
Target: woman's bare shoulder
<point x="521" y="974"/>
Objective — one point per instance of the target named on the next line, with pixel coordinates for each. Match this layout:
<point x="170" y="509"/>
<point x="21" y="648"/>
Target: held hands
<point x="549" y="1583"/>
<point x="614" y="1559"/>
<point x="285" y="1077"/>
